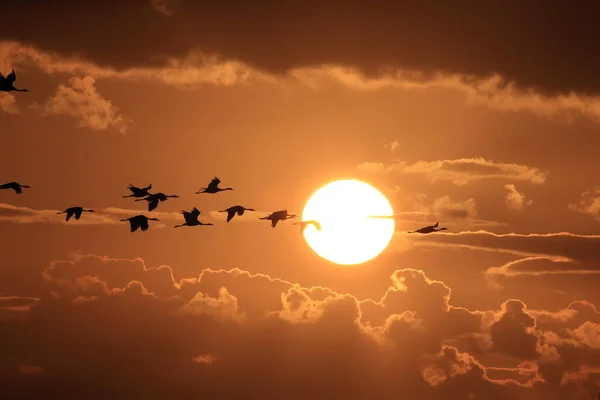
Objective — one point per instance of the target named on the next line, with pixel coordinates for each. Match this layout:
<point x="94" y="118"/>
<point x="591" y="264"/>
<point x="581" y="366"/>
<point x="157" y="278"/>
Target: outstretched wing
<point x="133" y="188"/>
<point x="70" y="213"/>
<point x="147" y="187"/>
<point x="436" y="224"/>
<point x="230" y="215"/>
<point x="17" y="188"/>
<point x="133" y="225"/>
<point x="11" y="78"/>
<point x="274" y="223"/>
<point x="152" y="204"/>
<point x="214" y="183"/>
<point x="144" y="225"/>
<point x="78" y="213"/>
<point x="195" y="212"/>
<point x="189" y="217"/>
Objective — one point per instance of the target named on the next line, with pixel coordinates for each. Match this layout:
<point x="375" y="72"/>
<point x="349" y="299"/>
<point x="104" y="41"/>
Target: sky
<point x="484" y="116"/>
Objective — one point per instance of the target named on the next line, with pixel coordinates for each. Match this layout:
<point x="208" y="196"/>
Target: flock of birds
<point x="153" y="199"/>
<point x="190" y="217"/>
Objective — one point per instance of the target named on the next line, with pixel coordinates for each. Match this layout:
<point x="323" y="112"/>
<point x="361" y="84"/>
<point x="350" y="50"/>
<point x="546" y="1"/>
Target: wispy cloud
<point x="589" y="203"/>
<point x="163" y="6"/>
<point x="8" y="103"/>
<point x="558" y="246"/>
<point x="392" y="146"/>
<point x="107" y="216"/>
<point x="199" y="68"/>
<point x="80" y="99"/>
<point x="461" y="171"/>
<point x="514" y="199"/>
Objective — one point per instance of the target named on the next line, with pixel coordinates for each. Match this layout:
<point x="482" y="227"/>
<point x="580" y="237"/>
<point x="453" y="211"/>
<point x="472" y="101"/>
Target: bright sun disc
<point x="348" y="235"/>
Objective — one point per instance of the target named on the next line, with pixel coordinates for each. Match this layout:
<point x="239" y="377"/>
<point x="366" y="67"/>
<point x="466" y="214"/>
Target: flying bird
<point x="213" y="187"/>
<point x="74" y="211"/>
<point x="139" y="192"/>
<point x="232" y="211"/>
<point x="154" y="198"/>
<point x="277" y="216"/>
<point x="6" y="83"/>
<point x="429" y="229"/>
<point x="14" y="186"/>
<point x="304" y="224"/>
<point x="191" y="218"/>
<point x="139" y="221"/>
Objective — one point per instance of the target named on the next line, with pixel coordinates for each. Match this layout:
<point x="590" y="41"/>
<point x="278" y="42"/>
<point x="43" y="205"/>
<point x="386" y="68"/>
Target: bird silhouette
<point x="139" y="221"/>
<point x="277" y="216"/>
<point x="232" y="211"/>
<point x="213" y="187"/>
<point x="139" y="192"/>
<point x="14" y="186"/>
<point x="429" y="229"/>
<point x="74" y="211"/>
<point x="154" y="198"/>
<point x="191" y="218"/>
<point x="304" y="224"/>
<point x="6" y="83"/>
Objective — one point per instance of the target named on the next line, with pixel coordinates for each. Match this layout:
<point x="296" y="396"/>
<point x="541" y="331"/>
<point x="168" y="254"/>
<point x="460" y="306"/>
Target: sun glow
<point x="348" y="236"/>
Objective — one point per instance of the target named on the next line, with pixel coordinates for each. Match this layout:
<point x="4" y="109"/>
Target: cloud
<point x="514" y="199"/>
<point x="392" y="146"/>
<point x="110" y="215"/>
<point x="164" y="7"/>
<point x="199" y="330"/>
<point x="536" y="266"/>
<point x="454" y="212"/>
<point x="80" y="100"/>
<point x="560" y="246"/>
<point x="589" y="203"/>
<point x="461" y="171"/>
<point x="8" y="103"/>
<point x="197" y="68"/>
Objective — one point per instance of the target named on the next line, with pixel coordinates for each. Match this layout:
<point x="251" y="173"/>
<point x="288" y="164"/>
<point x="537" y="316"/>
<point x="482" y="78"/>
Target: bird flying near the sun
<point x="429" y="229"/>
<point x="17" y="187"/>
<point x="74" y="212"/>
<point x="139" y="192"/>
<point x="155" y="198"/>
<point x="232" y="211"/>
<point x="139" y="221"/>
<point x="6" y="83"/>
<point x="304" y="224"/>
<point x="191" y="218"/>
<point x="277" y="216"/>
<point x="213" y="187"/>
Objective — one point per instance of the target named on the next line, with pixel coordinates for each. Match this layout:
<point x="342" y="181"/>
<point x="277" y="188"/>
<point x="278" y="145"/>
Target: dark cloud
<point x="205" y="337"/>
<point x="466" y="38"/>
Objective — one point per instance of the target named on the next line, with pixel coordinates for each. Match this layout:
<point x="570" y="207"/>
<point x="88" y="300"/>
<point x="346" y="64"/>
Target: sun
<point x="348" y="235"/>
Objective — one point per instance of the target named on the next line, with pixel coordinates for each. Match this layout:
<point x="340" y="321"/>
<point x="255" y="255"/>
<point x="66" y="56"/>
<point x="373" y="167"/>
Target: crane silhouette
<point x="154" y="198"/>
<point x="74" y="211"/>
<point x="304" y="224"/>
<point x="6" y="83"/>
<point x="139" y="192"/>
<point x="191" y="218"/>
<point x="429" y="229"/>
<point x="17" y="187"/>
<point x="139" y="221"/>
<point x="213" y="187"/>
<point x="277" y="216"/>
<point x="232" y="211"/>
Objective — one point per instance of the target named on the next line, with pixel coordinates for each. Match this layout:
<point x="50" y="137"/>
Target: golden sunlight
<point x="347" y="236"/>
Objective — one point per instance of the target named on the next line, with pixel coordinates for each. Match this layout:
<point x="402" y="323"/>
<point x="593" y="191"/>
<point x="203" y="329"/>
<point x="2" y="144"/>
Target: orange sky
<point x="490" y="130"/>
